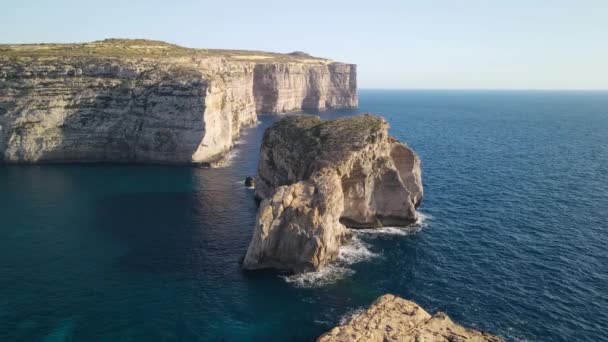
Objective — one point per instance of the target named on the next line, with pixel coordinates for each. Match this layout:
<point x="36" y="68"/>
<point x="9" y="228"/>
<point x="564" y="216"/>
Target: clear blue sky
<point x="498" y="44"/>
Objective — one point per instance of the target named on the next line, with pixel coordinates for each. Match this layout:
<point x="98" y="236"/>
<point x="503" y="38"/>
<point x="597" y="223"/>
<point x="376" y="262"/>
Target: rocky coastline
<point x="144" y="101"/>
<point x="141" y="101"/>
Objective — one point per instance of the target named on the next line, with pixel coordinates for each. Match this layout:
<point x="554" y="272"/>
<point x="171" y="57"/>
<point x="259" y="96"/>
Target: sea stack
<point x="143" y="101"/>
<point x="316" y="178"/>
<point x="391" y="318"/>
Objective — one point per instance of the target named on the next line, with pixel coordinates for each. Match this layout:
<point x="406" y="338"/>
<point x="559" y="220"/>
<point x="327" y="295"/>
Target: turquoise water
<point x="514" y="237"/>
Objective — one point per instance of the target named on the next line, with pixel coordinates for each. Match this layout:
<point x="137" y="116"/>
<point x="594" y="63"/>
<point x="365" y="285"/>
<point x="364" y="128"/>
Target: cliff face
<point x="143" y="101"/>
<point x="392" y="318"/>
<point x="298" y="228"/>
<point x="285" y="87"/>
<point x="374" y="169"/>
<point x="316" y="177"/>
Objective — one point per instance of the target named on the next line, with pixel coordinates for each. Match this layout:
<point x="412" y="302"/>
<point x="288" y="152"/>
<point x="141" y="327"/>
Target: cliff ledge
<point x="145" y="101"/>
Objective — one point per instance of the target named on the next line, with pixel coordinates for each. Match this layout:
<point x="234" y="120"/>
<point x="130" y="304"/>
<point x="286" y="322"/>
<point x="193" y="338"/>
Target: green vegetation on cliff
<point x="145" y="49"/>
<point x="310" y="134"/>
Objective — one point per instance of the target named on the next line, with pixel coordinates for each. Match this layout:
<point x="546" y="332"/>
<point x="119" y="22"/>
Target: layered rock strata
<point x="152" y="102"/>
<point x="287" y="87"/>
<point x="317" y="177"/>
<point x="392" y="318"/>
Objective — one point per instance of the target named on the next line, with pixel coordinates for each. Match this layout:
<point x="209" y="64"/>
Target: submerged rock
<point x="391" y="318"/>
<point x="316" y="177"/>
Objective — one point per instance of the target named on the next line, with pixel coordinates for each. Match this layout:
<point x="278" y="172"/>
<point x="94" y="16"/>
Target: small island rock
<point x="391" y="318"/>
<point x="317" y="177"/>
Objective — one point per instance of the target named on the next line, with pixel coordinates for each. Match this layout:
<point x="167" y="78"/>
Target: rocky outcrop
<point x="392" y="318"/>
<point x="298" y="228"/>
<point x="316" y="177"/>
<point x="151" y="102"/>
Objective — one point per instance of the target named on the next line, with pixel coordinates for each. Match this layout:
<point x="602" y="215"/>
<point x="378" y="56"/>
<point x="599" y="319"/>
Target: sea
<point x="512" y="237"/>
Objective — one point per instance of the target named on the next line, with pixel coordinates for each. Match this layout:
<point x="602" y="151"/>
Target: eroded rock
<point x="316" y="177"/>
<point x="298" y="228"/>
<point x="391" y="318"/>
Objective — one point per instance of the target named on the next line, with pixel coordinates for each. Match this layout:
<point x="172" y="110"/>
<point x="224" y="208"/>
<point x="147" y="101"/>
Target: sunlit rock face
<point x="286" y="87"/>
<point x="317" y="177"/>
<point x="391" y="318"/>
<point x="150" y="102"/>
<point x="298" y="228"/>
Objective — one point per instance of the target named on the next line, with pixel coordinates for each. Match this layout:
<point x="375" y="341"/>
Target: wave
<point x="422" y="221"/>
<point x="389" y="231"/>
<point x="353" y="252"/>
<point x="228" y="159"/>
<point x="325" y="276"/>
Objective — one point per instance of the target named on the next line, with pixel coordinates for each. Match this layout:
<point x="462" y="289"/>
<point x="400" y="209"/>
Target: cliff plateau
<point x="317" y="177"/>
<point x="146" y="101"/>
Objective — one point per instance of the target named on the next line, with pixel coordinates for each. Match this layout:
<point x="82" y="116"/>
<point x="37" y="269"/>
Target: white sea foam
<point x="242" y="183"/>
<point x="388" y="231"/>
<point x="325" y="276"/>
<point x="422" y="221"/>
<point x="228" y="158"/>
<point x="353" y="252"/>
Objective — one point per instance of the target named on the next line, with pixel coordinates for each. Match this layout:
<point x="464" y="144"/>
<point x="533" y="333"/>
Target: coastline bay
<point x="515" y="186"/>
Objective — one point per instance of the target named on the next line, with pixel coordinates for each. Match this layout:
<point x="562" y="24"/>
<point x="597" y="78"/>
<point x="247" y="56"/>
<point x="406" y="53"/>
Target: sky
<point x="424" y="44"/>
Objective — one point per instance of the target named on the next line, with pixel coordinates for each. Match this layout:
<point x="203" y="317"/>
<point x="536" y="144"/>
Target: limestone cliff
<point x="285" y="87"/>
<point x="317" y="176"/>
<point x="146" y="101"/>
<point x="392" y="318"/>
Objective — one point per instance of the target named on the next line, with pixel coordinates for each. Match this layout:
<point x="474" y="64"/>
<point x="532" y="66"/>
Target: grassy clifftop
<point x="144" y="48"/>
<point x="329" y="138"/>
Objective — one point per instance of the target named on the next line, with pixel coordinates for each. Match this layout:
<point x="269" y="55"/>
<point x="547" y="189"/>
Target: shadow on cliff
<point x="135" y="120"/>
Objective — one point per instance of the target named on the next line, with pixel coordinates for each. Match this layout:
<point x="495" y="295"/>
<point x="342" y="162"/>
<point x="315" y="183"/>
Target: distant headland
<point x="144" y="101"/>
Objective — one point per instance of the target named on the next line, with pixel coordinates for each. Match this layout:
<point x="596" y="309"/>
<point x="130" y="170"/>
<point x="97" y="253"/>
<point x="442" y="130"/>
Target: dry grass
<point x="143" y="48"/>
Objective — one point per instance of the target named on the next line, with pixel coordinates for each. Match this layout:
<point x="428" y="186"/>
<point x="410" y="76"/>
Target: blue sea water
<point x="513" y="241"/>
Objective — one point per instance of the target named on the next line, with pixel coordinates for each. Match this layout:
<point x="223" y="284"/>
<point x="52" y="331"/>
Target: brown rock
<point x="298" y="228"/>
<point x="391" y="318"/>
<point x="316" y="177"/>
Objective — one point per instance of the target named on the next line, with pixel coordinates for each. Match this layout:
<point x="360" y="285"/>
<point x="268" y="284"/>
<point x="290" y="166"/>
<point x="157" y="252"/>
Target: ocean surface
<point x="513" y="240"/>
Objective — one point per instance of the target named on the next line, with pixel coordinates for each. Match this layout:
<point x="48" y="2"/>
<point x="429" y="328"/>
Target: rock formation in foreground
<point x="316" y="177"/>
<point x="392" y="318"/>
<point x="148" y="101"/>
